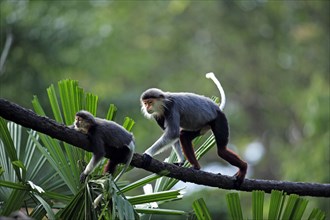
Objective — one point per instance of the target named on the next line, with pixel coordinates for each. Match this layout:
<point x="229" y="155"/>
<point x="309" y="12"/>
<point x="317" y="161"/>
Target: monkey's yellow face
<point x="81" y="125"/>
<point x="152" y="106"/>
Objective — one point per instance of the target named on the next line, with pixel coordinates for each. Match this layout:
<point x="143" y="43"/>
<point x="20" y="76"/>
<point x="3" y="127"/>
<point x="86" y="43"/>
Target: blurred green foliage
<point x="272" y="58"/>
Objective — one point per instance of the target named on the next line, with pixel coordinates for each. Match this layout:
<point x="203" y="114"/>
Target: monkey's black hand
<point x="82" y="177"/>
<point x="179" y="164"/>
<point x="238" y="180"/>
<point x="146" y="160"/>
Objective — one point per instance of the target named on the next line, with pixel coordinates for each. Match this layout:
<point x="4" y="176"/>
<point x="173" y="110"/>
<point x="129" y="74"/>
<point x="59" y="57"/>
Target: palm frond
<point x="8" y="154"/>
<point x="201" y="210"/>
<point x="257" y="204"/>
<point x="280" y="207"/>
<point x="234" y="206"/>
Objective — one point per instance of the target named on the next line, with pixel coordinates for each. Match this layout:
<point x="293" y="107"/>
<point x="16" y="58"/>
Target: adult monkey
<point x="107" y="139"/>
<point x="183" y="117"/>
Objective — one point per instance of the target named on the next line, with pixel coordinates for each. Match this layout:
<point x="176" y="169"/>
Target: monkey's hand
<point x="196" y="167"/>
<point x="239" y="178"/>
<point x="179" y="164"/>
<point x="146" y="160"/>
<point x="82" y="177"/>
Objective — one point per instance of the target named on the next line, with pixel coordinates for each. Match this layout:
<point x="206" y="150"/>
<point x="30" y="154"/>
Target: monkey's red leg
<point x="110" y="167"/>
<point x="234" y="160"/>
<point x="186" y="138"/>
<point x="220" y="130"/>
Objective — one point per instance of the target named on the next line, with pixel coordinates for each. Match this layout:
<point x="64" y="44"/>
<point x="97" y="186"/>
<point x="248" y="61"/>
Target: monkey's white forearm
<point x="160" y="145"/>
<point x="89" y="167"/>
<point x="178" y="151"/>
<point x="92" y="164"/>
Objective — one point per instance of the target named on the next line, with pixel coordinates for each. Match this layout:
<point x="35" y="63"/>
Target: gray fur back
<point x="195" y="110"/>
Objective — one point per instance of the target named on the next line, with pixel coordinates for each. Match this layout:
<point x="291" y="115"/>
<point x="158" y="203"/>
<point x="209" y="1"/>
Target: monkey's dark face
<point x="81" y="125"/>
<point x="152" y="107"/>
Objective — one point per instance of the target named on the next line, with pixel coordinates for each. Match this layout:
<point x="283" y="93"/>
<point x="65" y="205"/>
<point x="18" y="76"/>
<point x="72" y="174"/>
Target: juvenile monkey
<point x="183" y="117"/>
<point x="107" y="139"/>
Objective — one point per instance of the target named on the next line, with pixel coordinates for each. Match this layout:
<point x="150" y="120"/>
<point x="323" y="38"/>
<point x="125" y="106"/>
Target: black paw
<point x="179" y="164"/>
<point x="237" y="181"/>
<point x="82" y="177"/>
<point x="196" y="167"/>
<point x="146" y="160"/>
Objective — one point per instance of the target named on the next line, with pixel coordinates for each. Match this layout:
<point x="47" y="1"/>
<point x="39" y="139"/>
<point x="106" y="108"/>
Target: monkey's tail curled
<point x="222" y="92"/>
<point x="131" y="146"/>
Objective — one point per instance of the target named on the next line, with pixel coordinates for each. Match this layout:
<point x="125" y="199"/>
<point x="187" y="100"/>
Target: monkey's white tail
<point x="131" y="146"/>
<point x="222" y="92"/>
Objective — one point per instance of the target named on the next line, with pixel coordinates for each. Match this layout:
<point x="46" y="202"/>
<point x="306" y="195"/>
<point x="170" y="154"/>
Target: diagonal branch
<point x="29" y="119"/>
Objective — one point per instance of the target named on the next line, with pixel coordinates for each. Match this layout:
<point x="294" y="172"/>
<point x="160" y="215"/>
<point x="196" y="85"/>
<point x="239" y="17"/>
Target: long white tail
<point x="131" y="146"/>
<point x="222" y="92"/>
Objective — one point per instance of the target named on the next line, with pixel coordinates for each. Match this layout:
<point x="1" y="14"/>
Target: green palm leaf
<point x="234" y="206"/>
<point x="257" y="204"/>
<point x="8" y="150"/>
<point x="276" y="204"/>
<point x="201" y="210"/>
<point x="317" y="214"/>
<point x="293" y="208"/>
<point x="33" y="167"/>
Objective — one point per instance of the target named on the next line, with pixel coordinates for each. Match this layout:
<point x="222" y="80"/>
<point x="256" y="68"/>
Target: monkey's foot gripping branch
<point x="82" y="177"/>
<point x="179" y="164"/>
<point x="146" y="160"/>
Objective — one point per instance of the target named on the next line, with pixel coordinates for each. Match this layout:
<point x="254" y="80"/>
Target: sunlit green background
<point x="272" y="58"/>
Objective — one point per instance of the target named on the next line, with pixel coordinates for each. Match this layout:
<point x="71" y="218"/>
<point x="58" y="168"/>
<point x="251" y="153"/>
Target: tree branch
<point x="29" y="119"/>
